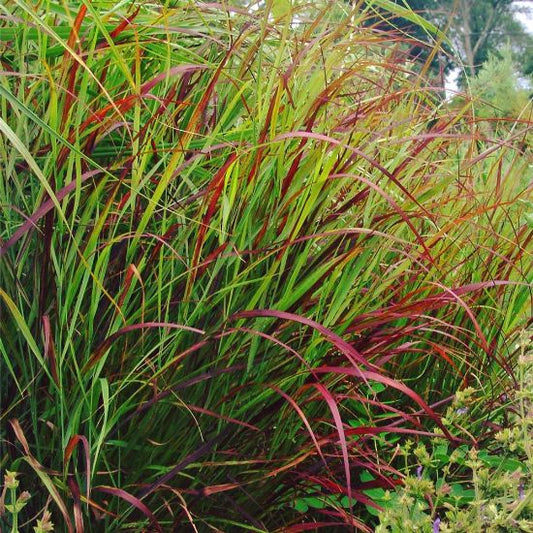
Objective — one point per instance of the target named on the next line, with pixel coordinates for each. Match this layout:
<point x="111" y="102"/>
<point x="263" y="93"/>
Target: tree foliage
<point x="498" y="88"/>
<point x="476" y="29"/>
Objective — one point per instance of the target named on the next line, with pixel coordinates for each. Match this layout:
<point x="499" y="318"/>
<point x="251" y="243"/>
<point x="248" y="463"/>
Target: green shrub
<point x="472" y="489"/>
<point x="498" y="89"/>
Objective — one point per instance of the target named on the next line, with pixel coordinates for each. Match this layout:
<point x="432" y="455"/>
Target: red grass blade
<point x="390" y="382"/>
<point x="78" y="516"/>
<point x="347" y="349"/>
<point x="69" y="449"/>
<point x="72" y="39"/>
<point x="48" y="205"/>
<point x="216" y="185"/>
<point x="99" y="352"/>
<point x="138" y="504"/>
<point x="202" y="450"/>
<point x="301" y="414"/>
<point x="332" y="404"/>
<point x="222" y="417"/>
<point x="375" y="164"/>
<point x="49" y="348"/>
<point x="124" y="24"/>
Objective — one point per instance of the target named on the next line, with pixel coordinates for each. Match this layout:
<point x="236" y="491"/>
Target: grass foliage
<point x="245" y="253"/>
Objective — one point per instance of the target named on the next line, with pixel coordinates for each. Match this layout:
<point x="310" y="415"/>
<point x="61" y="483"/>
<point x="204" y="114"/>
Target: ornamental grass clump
<point x="245" y="254"/>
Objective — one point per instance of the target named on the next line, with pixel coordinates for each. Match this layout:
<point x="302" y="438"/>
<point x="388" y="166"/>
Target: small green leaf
<point x="281" y="9"/>
<point x="301" y="506"/>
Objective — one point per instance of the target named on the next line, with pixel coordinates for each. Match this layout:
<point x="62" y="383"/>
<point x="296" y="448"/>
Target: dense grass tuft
<point x="244" y="255"/>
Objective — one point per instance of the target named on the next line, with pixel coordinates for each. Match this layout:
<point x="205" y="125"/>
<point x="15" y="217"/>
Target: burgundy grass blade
<point x="132" y="500"/>
<point x="302" y="416"/>
<point x="215" y="187"/>
<point x="78" y="515"/>
<point x="124" y="24"/>
<point x="49" y="348"/>
<point x="208" y="412"/>
<point x="202" y="450"/>
<point x="390" y="382"/>
<point x="72" y="39"/>
<point x="69" y="449"/>
<point x="180" y="386"/>
<point x="347" y="349"/>
<point x="46" y="207"/>
<point x="180" y="69"/>
<point x="99" y="352"/>
<point x="332" y="404"/>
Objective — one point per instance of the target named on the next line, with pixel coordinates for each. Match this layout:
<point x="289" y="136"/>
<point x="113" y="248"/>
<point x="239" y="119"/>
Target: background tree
<point x="477" y="29"/>
<point x="482" y="27"/>
<point x="498" y="88"/>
